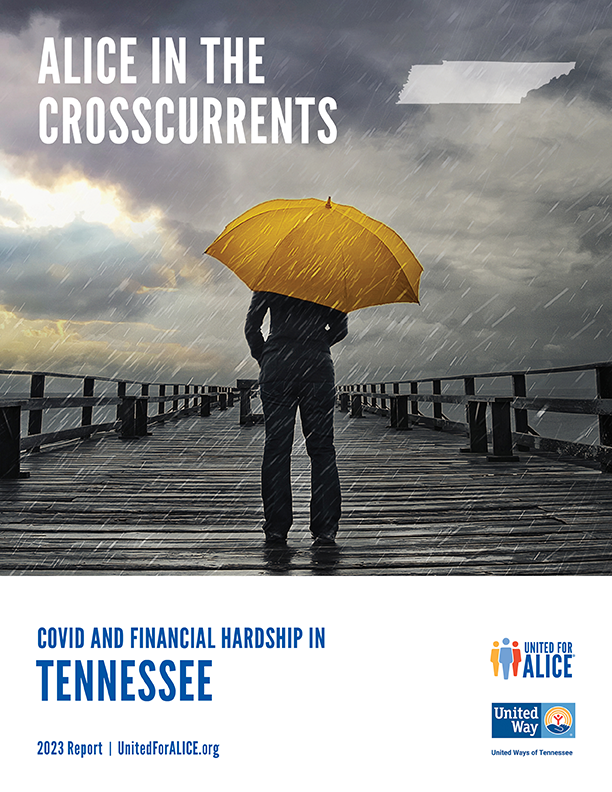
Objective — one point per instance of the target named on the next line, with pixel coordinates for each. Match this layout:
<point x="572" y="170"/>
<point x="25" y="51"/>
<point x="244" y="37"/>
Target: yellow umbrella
<point x="326" y="253"/>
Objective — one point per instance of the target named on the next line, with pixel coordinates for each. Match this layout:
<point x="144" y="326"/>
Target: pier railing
<point x="128" y="402"/>
<point x="500" y="419"/>
<point x="496" y="414"/>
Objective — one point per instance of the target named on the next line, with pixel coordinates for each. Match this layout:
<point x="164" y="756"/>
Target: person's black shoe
<point x="325" y="540"/>
<point x="275" y="540"/>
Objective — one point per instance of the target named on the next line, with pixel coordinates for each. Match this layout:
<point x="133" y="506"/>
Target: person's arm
<point x="254" y="320"/>
<point x="338" y="328"/>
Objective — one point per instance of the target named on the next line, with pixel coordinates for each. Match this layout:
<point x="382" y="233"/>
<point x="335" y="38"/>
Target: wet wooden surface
<point x="186" y="501"/>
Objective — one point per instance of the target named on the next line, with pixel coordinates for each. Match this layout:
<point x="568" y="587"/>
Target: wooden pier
<point x="186" y="501"/>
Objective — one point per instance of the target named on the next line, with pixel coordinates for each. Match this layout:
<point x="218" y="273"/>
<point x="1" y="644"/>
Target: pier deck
<point x="186" y="501"/>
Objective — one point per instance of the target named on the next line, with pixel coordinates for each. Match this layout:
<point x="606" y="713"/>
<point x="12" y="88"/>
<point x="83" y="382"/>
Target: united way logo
<point x="506" y="657"/>
<point x="532" y="720"/>
<point x="558" y="720"/>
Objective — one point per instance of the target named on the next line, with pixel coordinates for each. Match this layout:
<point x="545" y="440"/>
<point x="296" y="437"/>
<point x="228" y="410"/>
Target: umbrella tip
<point x="328" y="204"/>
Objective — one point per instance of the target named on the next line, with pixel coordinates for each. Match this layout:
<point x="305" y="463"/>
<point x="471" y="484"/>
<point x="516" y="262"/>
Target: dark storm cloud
<point x="90" y="15"/>
<point x="590" y="215"/>
<point x="193" y="243"/>
<point x="80" y="271"/>
<point x="359" y="52"/>
<point x="508" y="209"/>
<point x="80" y="15"/>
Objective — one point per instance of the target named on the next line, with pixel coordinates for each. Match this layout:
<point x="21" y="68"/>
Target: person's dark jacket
<point x="293" y="323"/>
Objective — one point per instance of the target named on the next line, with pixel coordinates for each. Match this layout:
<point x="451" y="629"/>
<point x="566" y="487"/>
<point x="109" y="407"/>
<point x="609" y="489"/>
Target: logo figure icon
<point x="558" y="720"/>
<point x="516" y="657"/>
<point x="506" y="656"/>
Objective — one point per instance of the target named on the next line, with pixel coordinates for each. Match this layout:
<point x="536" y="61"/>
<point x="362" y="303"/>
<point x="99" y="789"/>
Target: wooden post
<point x="502" y="431"/>
<point x="356" y="406"/>
<point x="403" y="422"/>
<point x="141" y="430"/>
<point x="383" y="389"/>
<point x="230" y="397"/>
<point x="476" y="416"/>
<point x="393" y="416"/>
<point x="604" y="391"/>
<point x="127" y="417"/>
<point x="437" y="406"/>
<point x="10" y="431"/>
<point x="245" y="387"/>
<point x="373" y="399"/>
<point x="175" y="402"/>
<point x="121" y="388"/>
<point x="414" y="404"/>
<point x="205" y="405"/>
<point x="521" y="419"/>
<point x="187" y="400"/>
<point x="37" y="391"/>
<point x="222" y="401"/>
<point x="161" y="407"/>
<point x="344" y="401"/>
<point x="87" y="412"/>
<point x="141" y="417"/>
<point x="245" y="402"/>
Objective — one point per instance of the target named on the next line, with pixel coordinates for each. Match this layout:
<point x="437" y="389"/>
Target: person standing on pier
<point x="309" y="262"/>
<point x="297" y="371"/>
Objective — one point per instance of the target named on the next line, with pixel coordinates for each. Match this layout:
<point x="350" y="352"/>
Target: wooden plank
<point x="187" y="501"/>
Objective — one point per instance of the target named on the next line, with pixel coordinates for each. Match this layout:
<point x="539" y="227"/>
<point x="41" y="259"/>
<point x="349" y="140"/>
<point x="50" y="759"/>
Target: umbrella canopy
<point x="326" y="253"/>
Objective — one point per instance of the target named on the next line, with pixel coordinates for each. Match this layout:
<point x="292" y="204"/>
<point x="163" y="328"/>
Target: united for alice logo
<point x="536" y="660"/>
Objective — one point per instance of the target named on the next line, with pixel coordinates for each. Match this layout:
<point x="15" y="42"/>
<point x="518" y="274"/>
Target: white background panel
<point x="400" y="695"/>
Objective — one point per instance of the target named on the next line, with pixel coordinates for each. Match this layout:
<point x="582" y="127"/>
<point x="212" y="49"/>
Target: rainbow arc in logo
<point x="558" y="720"/>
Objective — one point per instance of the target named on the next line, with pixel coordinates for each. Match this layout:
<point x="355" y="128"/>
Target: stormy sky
<point x="506" y="206"/>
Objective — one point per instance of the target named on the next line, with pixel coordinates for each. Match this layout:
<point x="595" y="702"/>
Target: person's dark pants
<point x="286" y="385"/>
